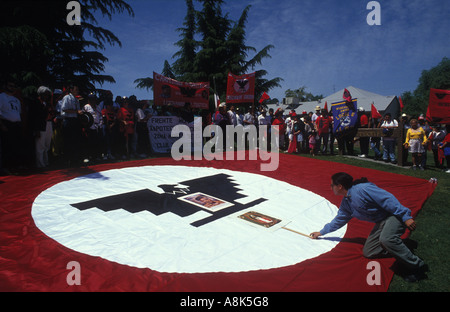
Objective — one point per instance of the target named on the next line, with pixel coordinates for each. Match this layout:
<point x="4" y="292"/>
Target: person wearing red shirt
<point x="364" y="141"/>
<point x="323" y="125"/>
<point x="110" y="128"/>
<point x="279" y="121"/>
<point x="125" y="117"/>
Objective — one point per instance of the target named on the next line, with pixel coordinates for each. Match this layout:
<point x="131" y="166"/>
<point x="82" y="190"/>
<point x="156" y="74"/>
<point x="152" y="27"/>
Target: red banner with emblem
<point x="169" y="91"/>
<point x="439" y="106"/>
<point x="241" y="89"/>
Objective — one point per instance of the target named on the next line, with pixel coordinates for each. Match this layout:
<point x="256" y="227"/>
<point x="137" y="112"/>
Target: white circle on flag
<point x="212" y="237"/>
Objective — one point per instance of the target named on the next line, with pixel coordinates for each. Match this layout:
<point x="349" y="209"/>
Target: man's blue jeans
<point x="389" y="150"/>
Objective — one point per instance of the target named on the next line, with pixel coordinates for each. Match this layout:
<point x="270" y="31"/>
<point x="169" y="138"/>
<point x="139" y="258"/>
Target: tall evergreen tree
<point x="213" y="28"/>
<point x="167" y="70"/>
<point x="221" y="48"/>
<point x="183" y="67"/>
<point x="64" y="54"/>
<point x="238" y="52"/>
<point x="236" y="49"/>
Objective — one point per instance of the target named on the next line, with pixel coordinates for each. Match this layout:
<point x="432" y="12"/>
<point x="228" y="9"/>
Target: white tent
<point x="365" y="100"/>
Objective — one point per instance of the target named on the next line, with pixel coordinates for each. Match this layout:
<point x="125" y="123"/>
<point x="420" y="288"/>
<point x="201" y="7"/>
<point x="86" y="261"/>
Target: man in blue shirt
<point x="367" y="202"/>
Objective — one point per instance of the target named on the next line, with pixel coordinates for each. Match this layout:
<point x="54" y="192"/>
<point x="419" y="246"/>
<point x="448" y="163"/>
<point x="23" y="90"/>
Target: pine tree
<point x="183" y="67"/>
<point x="220" y="49"/>
<point x="61" y="53"/>
<point x="238" y="52"/>
<point x="167" y="70"/>
<point x="210" y="61"/>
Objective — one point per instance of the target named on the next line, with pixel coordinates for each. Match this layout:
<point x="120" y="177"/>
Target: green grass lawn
<point x="433" y="232"/>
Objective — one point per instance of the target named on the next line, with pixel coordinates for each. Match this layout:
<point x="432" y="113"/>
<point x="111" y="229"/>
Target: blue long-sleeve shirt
<point x="367" y="202"/>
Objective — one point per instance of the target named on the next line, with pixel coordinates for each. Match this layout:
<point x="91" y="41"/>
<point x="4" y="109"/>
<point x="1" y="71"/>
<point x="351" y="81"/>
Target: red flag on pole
<point x="216" y="101"/>
<point x="439" y="106"/>
<point x="375" y="113"/>
<point x="401" y="103"/>
<point x="264" y="97"/>
<point x="347" y="96"/>
<point x="326" y="106"/>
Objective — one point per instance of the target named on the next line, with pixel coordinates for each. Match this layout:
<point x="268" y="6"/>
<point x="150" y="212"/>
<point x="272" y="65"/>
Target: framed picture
<point x="206" y="202"/>
<point x="260" y="219"/>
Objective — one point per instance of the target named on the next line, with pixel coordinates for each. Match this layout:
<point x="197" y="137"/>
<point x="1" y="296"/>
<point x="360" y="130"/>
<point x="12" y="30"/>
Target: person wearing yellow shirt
<point x="415" y="142"/>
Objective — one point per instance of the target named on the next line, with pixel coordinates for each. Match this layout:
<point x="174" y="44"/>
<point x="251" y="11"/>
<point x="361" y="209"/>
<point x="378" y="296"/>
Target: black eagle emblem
<point x="441" y="96"/>
<point x="220" y="186"/>
<point x="188" y="92"/>
<point x="242" y="84"/>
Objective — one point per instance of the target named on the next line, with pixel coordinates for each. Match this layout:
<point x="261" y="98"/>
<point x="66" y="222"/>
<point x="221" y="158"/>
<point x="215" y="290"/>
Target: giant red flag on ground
<point x="439" y="106"/>
<point x="107" y="242"/>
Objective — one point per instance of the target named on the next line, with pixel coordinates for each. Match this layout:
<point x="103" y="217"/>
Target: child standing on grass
<point x="445" y="146"/>
<point x="312" y="143"/>
<point x="435" y="138"/>
<point x="415" y="141"/>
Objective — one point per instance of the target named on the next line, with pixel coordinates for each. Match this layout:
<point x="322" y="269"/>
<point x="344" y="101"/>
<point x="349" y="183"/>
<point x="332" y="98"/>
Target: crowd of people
<point x="63" y="127"/>
<point x="312" y="133"/>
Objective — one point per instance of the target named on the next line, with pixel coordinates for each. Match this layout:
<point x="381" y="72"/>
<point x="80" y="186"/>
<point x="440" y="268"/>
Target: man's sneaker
<point x="417" y="275"/>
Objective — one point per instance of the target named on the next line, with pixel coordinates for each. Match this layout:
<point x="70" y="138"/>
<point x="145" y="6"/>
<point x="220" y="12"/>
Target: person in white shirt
<point x="264" y="120"/>
<point x="289" y="123"/>
<point x="10" y="128"/>
<point x="249" y="118"/>
<point x="239" y="117"/>
<point x="388" y="127"/>
<point x="232" y="116"/>
<point x="70" y="110"/>
<point x="316" y="114"/>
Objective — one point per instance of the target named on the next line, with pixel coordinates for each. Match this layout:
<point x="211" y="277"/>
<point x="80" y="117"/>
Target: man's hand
<point x="411" y="224"/>
<point x="315" y="235"/>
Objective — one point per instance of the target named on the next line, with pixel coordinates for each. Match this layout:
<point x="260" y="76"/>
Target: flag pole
<point x="299" y="233"/>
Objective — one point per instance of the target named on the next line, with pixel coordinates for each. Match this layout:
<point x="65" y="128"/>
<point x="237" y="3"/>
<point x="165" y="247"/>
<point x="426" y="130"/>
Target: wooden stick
<point x="299" y="233"/>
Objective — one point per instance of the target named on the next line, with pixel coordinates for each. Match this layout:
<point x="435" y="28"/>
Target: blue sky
<point x="324" y="45"/>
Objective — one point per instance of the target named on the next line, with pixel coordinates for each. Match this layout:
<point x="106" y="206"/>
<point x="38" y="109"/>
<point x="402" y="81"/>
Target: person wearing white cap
<point x="315" y="115"/>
